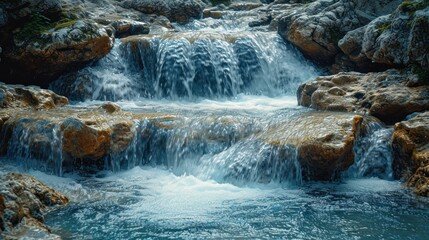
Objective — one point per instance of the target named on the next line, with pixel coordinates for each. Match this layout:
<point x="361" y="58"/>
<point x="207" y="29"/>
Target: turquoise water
<point x="152" y="203"/>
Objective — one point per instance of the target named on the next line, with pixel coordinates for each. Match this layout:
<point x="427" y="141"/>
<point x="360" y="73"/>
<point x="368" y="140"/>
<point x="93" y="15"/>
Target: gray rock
<point x="399" y="38"/>
<point x="316" y="28"/>
<point x="174" y="10"/>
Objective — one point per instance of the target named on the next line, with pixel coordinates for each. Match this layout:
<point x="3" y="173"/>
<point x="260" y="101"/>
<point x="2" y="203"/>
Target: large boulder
<point x="400" y="38"/>
<point x="29" y="97"/>
<point x="389" y="96"/>
<point x="174" y="10"/>
<point x="40" y="57"/>
<point x="17" y="10"/>
<point x="316" y="29"/>
<point x="323" y="142"/>
<point x="23" y="202"/>
<point x="410" y="143"/>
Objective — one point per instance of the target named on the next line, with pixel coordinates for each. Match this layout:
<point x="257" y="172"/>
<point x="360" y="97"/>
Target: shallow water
<point x="154" y="203"/>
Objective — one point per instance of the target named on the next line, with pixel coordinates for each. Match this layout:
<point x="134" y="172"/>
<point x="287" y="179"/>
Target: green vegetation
<point x="217" y="2"/>
<point x="383" y="27"/>
<point x="37" y="25"/>
<point x="412" y="6"/>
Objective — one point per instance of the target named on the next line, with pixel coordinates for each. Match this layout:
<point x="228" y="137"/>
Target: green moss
<point x="384" y="26"/>
<point x="37" y="25"/>
<point x="412" y="6"/>
<point x="64" y="23"/>
<point x="217" y="2"/>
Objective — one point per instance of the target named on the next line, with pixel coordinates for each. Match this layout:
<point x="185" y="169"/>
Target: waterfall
<point x="204" y="65"/>
<point x="190" y="65"/>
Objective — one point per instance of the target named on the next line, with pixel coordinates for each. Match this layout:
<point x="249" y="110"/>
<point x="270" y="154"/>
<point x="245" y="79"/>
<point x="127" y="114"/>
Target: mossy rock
<point x="412" y="6"/>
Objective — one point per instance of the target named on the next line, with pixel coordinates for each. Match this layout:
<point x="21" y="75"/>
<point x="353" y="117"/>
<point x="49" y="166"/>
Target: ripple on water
<point x="151" y="202"/>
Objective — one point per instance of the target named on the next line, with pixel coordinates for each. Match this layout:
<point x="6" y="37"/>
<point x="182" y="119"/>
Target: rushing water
<point x="213" y="177"/>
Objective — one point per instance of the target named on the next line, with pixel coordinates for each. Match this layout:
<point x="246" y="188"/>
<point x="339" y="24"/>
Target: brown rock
<point x="23" y="202"/>
<point x="207" y="13"/>
<point x="82" y="140"/>
<point x="385" y="95"/>
<point x="323" y="141"/>
<point x="110" y="107"/>
<point x="41" y="58"/>
<point x="122" y="135"/>
<point x="410" y="143"/>
<point x="12" y="96"/>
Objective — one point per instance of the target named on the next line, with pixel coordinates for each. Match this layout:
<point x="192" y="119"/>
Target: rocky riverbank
<point x="376" y="51"/>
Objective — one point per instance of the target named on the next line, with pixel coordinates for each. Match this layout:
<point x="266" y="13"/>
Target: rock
<point x="316" y="29"/>
<point x="410" y="144"/>
<point x="213" y="14"/>
<point x="110" y="107"/>
<point x="174" y="10"/>
<point x="266" y="20"/>
<point x="385" y="95"/>
<point x="41" y="58"/>
<point x="14" y="96"/>
<point x="400" y="38"/>
<point x="323" y="142"/>
<point x="127" y="27"/>
<point x="244" y="6"/>
<point x="23" y="202"/>
<point x="17" y="10"/>
<point x="85" y="141"/>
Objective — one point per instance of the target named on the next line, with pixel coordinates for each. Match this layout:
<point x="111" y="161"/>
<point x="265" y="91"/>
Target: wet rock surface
<point x="410" y="144"/>
<point x="23" y="202"/>
<point x="389" y="96"/>
<point x="15" y="96"/>
<point x="323" y="142"/>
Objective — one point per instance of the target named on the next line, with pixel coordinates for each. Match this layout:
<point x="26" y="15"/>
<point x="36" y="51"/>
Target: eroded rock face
<point x="410" y="143"/>
<point x="12" y="96"/>
<point x="400" y="38"/>
<point x="15" y="10"/>
<point x="174" y="10"/>
<point x="316" y="29"/>
<point x="389" y="96"/>
<point x="39" y="59"/>
<point x="23" y="202"/>
<point x="323" y="142"/>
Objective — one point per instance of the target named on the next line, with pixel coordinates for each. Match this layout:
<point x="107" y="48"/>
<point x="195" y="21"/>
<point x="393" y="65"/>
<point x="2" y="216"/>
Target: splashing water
<point x="210" y="174"/>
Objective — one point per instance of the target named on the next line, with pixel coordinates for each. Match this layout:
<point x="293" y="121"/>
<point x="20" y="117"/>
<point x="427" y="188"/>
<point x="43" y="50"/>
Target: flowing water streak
<point x="37" y="144"/>
<point x="191" y="65"/>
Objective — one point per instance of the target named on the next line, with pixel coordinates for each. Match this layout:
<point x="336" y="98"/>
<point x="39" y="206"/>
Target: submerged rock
<point x="410" y="143"/>
<point x="23" y="202"/>
<point x="389" y="96"/>
<point x="14" y="96"/>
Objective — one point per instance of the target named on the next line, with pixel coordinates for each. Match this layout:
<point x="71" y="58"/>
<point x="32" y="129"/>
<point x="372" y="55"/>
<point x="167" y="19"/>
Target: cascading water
<point x="214" y="171"/>
<point x="191" y="65"/>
